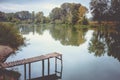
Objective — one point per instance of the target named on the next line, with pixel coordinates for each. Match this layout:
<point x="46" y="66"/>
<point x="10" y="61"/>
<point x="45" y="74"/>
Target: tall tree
<point x="55" y="14"/>
<point x="39" y="17"/>
<point x="75" y="13"/>
<point x="2" y="16"/>
<point x="23" y="15"/>
<point x="115" y="7"/>
<point x="99" y="9"/>
<point x="66" y="8"/>
<point x="82" y="11"/>
<point x="67" y="13"/>
<point x="33" y="16"/>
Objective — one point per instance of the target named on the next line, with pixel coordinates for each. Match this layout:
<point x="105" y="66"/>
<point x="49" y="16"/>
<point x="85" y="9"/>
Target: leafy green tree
<point x="68" y="13"/>
<point x="82" y="11"/>
<point x="66" y="10"/>
<point x="10" y="36"/>
<point x="23" y="15"/>
<point x="55" y="14"/>
<point x="75" y="13"/>
<point x="10" y="16"/>
<point x="39" y="17"/>
<point x="2" y="16"/>
<point x="99" y="9"/>
<point x="115" y="10"/>
<point x="71" y="12"/>
<point x="33" y="16"/>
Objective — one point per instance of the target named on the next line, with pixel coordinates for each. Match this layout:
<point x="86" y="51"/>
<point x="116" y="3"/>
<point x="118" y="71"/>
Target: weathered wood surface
<point x="5" y="51"/>
<point x="29" y="60"/>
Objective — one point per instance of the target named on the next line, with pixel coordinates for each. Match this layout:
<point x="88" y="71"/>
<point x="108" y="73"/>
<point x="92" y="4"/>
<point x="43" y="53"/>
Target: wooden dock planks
<point x="29" y="60"/>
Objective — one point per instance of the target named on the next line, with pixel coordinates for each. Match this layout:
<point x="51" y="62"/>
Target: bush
<point x="10" y="36"/>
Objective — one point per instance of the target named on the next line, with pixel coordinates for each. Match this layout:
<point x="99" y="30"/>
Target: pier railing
<point x="29" y="61"/>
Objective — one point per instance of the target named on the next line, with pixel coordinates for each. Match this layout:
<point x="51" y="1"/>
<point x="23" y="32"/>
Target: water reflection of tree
<point x="106" y="40"/>
<point x="27" y="28"/>
<point x="68" y="35"/>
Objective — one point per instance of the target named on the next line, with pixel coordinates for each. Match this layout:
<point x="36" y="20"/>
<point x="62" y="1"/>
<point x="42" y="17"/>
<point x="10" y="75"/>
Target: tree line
<point x="68" y="13"/>
<point x="105" y="10"/>
<point x="24" y="16"/>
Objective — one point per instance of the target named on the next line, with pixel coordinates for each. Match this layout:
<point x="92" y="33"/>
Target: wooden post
<point x="48" y="66"/>
<point x="43" y="67"/>
<point x="61" y="66"/>
<point x="29" y="71"/>
<point x="55" y="64"/>
<point x="24" y="71"/>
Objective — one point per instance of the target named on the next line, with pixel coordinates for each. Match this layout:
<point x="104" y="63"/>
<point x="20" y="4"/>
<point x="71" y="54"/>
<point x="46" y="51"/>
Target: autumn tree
<point x="71" y="12"/>
<point x="68" y="13"/>
<point x="82" y="11"/>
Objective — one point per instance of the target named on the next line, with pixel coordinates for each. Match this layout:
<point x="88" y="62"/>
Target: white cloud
<point x="45" y="7"/>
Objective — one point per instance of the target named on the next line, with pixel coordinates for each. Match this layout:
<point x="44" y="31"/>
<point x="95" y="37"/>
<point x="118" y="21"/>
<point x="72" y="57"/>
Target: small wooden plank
<point x="29" y="60"/>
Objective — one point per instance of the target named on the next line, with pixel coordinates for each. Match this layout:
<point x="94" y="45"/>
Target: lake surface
<point x="88" y="53"/>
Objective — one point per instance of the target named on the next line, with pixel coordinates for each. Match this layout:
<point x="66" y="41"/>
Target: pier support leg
<point x="48" y="66"/>
<point x="55" y="64"/>
<point x="42" y="67"/>
<point x="29" y="71"/>
<point x="24" y="71"/>
<point x="61" y="66"/>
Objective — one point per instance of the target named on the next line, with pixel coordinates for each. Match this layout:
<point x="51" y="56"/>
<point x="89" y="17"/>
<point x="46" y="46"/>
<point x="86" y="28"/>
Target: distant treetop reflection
<point x="10" y="36"/>
<point x="66" y="34"/>
<point x="69" y="35"/>
<point x="106" y="40"/>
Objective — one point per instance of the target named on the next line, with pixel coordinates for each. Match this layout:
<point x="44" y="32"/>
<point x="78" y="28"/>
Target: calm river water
<point x="88" y="53"/>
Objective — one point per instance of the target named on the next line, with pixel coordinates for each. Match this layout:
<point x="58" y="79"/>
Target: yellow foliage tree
<point x="82" y="11"/>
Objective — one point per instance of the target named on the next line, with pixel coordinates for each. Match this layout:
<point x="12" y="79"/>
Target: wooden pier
<point x="36" y="59"/>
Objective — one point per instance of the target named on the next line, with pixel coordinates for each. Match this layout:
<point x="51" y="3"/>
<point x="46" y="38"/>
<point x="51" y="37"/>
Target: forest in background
<point x="70" y="13"/>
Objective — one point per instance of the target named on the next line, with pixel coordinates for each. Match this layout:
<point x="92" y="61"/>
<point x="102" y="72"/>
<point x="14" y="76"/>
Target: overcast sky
<point x="36" y="5"/>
